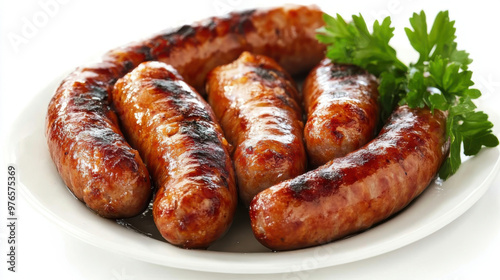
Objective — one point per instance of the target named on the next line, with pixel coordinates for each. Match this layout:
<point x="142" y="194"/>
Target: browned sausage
<point x="286" y="34"/>
<point x="342" y="110"/>
<point x="354" y="192"/>
<point x="177" y="135"/>
<point x="83" y="136"/>
<point x="256" y="104"/>
<point x="89" y="151"/>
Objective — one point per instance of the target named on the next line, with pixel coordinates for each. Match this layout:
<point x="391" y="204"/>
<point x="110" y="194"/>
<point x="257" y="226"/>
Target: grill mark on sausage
<point x="175" y="93"/>
<point x="244" y="23"/>
<point x="94" y="100"/>
<point x="287" y="100"/>
<point x="267" y="74"/>
<point x="212" y="158"/>
<point x="170" y="87"/>
<point x="325" y="183"/>
<point x="346" y="70"/>
<point x="186" y="31"/>
<point x="199" y="131"/>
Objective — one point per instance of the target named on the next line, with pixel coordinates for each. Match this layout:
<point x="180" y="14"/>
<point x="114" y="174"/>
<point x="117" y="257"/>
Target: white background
<point x="41" y="42"/>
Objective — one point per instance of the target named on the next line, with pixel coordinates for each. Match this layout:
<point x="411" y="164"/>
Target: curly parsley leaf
<point x="418" y="37"/>
<point x="353" y="43"/>
<point x="440" y="42"/>
<point x="439" y="80"/>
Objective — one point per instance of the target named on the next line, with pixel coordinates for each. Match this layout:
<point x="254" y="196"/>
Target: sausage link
<point x="352" y="193"/>
<point x="342" y="110"/>
<point x="82" y="132"/>
<point x="286" y="34"/>
<point x="176" y="134"/>
<point x="90" y="153"/>
<point x="256" y="104"/>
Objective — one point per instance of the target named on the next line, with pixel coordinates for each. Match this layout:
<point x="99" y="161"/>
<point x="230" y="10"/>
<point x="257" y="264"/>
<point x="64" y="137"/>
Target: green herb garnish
<point x="440" y="79"/>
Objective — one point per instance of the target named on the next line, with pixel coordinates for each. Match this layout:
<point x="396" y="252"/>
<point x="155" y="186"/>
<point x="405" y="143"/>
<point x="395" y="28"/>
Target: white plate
<point x="238" y="251"/>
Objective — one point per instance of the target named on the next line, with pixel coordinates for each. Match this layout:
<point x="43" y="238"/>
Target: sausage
<point x="182" y="144"/>
<point x="83" y="134"/>
<point x="286" y="34"/>
<point x="256" y="103"/>
<point x="352" y="193"/>
<point x="91" y="154"/>
<point x="342" y="110"/>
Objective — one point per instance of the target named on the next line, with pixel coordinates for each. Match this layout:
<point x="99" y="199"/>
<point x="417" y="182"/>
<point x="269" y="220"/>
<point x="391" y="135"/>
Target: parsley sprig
<point x="440" y="79"/>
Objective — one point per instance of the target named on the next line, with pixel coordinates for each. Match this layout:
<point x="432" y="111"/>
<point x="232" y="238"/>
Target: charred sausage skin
<point x="342" y="110"/>
<point x="352" y="193"/>
<point x="182" y="144"/>
<point x="256" y="103"/>
<point x="83" y="134"/>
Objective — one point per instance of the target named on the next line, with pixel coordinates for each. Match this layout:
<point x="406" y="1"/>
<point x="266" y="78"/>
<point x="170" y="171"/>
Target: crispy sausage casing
<point x="342" y="110"/>
<point x="354" y="192"/>
<point x="83" y="135"/>
<point x="176" y="133"/>
<point x="256" y="104"/>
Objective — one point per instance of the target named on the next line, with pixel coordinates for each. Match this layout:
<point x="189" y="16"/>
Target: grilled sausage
<point x="286" y="34"/>
<point x="176" y="134"/>
<point x="342" y="110"/>
<point x="82" y="132"/>
<point x="89" y="151"/>
<point x="256" y="104"/>
<point x="352" y="193"/>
